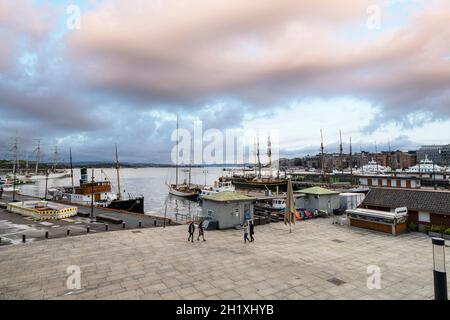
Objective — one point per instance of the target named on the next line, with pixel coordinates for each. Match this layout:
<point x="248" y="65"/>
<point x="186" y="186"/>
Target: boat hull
<point x="183" y="194"/>
<point x="260" y="185"/>
<point x="135" y="205"/>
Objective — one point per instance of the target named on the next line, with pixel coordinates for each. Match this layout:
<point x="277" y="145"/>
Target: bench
<point x="111" y="219"/>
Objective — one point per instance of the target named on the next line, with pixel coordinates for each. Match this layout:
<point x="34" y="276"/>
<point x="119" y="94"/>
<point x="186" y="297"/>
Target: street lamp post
<point x="46" y="185"/>
<point x="92" y="195"/>
<point x="439" y="273"/>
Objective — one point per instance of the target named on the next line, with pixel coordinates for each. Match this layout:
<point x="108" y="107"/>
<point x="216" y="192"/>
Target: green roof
<point x="317" y="191"/>
<point x="228" y="196"/>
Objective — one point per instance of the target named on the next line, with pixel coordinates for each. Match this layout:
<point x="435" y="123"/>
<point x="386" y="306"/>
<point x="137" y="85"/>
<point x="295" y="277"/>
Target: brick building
<point x="425" y="207"/>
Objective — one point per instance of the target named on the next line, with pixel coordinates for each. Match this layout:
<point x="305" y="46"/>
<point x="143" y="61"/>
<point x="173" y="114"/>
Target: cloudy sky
<point x="377" y="70"/>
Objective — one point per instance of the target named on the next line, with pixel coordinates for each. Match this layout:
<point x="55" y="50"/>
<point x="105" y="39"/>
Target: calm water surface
<point x="150" y="182"/>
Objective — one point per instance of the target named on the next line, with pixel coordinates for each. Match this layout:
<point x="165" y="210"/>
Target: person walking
<point x="201" y="231"/>
<point x="246" y="232"/>
<point x="252" y="231"/>
<point x="191" y="231"/>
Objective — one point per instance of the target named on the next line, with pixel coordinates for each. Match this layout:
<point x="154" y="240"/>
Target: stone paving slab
<point x="161" y="264"/>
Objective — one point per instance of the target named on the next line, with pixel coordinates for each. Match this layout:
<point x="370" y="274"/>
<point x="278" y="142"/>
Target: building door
<point x="369" y="182"/>
<point x="408" y="183"/>
<point x="237" y="217"/>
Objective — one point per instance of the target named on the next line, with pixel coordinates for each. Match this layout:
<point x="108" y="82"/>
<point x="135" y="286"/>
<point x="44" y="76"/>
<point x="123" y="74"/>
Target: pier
<point x="14" y="226"/>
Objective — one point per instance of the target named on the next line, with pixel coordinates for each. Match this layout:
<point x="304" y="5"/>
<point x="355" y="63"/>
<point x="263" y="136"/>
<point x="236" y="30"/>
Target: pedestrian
<point x="246" y="232"/>
<point x="1" y="191"/>
<point x="191" y="231"/>
<point x="252" y="231"/>
<point x="201" y="232"/>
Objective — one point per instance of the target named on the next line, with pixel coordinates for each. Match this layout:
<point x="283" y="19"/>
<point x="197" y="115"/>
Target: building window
<point x="424" y="217"/>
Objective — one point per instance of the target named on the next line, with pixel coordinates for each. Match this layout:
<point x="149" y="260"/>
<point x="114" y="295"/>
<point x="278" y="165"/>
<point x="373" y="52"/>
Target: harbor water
<point x="149" y="182"/>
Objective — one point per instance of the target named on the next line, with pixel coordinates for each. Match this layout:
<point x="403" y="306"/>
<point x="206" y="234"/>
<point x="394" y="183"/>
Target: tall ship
<point x="257" y="181"/>
<point x="186" y="189"/>
<point x="53" y="173"/>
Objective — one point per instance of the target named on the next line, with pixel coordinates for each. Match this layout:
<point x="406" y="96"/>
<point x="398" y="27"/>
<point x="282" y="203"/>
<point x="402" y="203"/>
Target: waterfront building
<point x="425" y="207"/>
<point x="317" y="198"/>
<point x="229" y="209"/>
<point x="408" y="182"/>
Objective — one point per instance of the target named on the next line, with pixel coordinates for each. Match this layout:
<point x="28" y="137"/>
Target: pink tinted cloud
<point x="265" y="51"/>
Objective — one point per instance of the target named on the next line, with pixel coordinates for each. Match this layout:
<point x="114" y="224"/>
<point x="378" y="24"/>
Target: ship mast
<point x="119" y="194"/>
<point x="190" y="165"/>
<point x="361" y="158"/>
<point x="38" y="156"/>
<point x="269" y="154"/>
<point x="341" y="161"/>
<point x="176" y="178"/>
<point x="71" y="170"/>
<point x="243" y="161"/>
<point x="255" y="161"/>
<point x="376" y="157"/>
<point x="259" y="160"/>
<point x="322" y="160"/>
<point x="351" y="156"/>
<point x="15" y="149"/>
<point x="55" y="158"/>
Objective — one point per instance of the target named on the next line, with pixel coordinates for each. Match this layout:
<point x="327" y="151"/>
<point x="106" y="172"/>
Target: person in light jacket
<point x="246" y="232"/>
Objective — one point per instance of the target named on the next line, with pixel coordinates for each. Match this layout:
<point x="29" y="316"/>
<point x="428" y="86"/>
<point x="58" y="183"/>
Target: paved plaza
<point x="317" y="261"/>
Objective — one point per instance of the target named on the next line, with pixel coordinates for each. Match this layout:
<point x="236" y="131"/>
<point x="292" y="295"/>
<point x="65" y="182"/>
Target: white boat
<point x="219" y="186"/>
<point x="51" y="175"/>
<point x="425" y="166"/>
<point x="279" y="204"/>
<point x="10" y="188"/>
<point x="184" y="191"/>
<point x="373" y="168"/>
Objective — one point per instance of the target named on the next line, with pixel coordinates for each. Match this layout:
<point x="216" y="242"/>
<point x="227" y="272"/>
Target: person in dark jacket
<point x="252" y="231"/>
<point x="191" y="231"/>
<point x="201" y="231"/>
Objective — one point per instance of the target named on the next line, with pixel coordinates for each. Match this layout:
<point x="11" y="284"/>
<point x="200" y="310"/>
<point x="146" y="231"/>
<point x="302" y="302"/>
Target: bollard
<point x="140" y="224"/>
<point x="68" y="232"/>
<point x="123" y="225"/>
<point x="106" y="227"/>
<point x="154" y="223"/>
<point x="24" y="238"/>
<point x="88" y="229"/>
<point x="46" y="234"/>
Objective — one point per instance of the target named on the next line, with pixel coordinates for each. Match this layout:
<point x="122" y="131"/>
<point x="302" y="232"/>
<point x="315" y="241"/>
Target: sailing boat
<point x="54" y="173"/>
<point x="184" y="190"/>
<point x="132" y="204"/>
